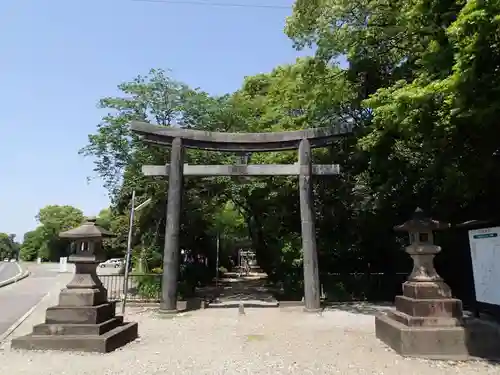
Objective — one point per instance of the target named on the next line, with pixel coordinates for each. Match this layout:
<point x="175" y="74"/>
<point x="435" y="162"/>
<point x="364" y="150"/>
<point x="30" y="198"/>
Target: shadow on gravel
<point x="252" y="291"/>
<point x="359" y="307"/>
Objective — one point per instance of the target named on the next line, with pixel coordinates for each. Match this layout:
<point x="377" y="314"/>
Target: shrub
<point x="149" y="286"/>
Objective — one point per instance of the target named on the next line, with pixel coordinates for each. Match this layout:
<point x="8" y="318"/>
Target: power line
<point x="210" y="3"/>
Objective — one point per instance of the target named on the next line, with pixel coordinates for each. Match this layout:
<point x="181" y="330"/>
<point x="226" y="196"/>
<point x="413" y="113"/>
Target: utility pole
<point x="217" y="261"/>
<point x="133" y="209"/>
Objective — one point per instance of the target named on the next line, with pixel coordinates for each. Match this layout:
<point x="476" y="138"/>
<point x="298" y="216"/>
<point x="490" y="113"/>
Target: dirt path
<point x="250" y="290"/>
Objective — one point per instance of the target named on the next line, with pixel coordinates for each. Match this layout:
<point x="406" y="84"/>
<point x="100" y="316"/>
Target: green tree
<point x="417" y="66"/>
<point x="9" y="248"/>
<point x="427" y="74"/>
<point x="306" y="94"/>
<point x="119" y="155"/>
<point x="53" y="219"/>
<point x="104" y="218"/>
<point x="420" y="92"/>
<point x="32" y="243"/>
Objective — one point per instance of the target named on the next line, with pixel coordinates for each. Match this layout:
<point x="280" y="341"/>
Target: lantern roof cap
<point x="419" y="222"/>
<point x="88" y="229"/>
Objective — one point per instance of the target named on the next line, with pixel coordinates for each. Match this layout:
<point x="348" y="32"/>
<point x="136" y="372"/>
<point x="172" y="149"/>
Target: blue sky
<point x="59" y="57"/>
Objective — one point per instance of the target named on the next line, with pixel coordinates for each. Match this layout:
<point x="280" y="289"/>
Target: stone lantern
<point x="84" y="320"/>
<point x="423" y="279"/>
<point x="86" y="254"/>
<point x="427" y="321"/>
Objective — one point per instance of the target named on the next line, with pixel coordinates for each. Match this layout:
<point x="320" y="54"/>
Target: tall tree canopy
<point x="119" y="156"/>
<point x="421" y="93"/>
<point x="428" y="73"/>
<point x="9" y="248"/>
<point x="44" y="241"/>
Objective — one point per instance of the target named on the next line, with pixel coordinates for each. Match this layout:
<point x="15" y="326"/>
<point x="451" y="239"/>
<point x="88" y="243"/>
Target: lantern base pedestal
<point x="100" y="343"/>
<point x="79" y="328"/>
<point x="476" y="338"/>
<point x="85" y="297"/>
<point x="449" y="343"/>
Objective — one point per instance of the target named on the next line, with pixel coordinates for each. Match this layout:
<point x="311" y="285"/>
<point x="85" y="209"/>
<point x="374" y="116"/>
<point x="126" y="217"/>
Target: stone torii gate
<point x="178" y="139"/>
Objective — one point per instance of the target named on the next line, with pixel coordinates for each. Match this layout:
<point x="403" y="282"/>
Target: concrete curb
<point x="21" y="275"/>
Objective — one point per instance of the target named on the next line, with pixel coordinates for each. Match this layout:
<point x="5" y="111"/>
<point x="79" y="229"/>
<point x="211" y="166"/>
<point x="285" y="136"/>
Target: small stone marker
<point x="241" y="309"/>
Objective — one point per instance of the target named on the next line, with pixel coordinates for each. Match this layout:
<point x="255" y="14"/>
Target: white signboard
<point x="63" y="264"/>
<point x="485" y="254"/>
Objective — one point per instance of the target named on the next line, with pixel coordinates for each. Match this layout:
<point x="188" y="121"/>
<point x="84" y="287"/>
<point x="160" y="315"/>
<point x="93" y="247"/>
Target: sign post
<point x="217" y="261"/>
<point x="133" y="209"/>
<point x="63" y="264"/>
<point x="485" y="256"/>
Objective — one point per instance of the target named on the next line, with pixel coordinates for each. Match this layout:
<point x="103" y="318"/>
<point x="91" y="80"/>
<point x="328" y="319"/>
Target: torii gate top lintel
<point x="236" y="142"/>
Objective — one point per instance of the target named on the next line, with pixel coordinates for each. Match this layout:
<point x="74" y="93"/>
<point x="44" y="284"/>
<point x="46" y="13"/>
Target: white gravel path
<point x="264" y="341"/>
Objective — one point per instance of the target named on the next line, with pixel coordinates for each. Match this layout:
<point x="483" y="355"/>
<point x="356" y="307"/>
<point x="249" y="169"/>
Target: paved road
<point x="8" y="270"/>
<point x="18" y="298"/>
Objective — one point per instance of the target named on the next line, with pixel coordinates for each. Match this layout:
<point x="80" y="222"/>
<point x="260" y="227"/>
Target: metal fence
<point x="369" y="286"/>
<point x="141" y="287"/>
<point x="337" y="287"/>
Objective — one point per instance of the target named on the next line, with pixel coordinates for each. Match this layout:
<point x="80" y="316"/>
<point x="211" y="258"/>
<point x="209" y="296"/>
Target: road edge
<point x="21" y="275"/>
<point x="4" y="336"/>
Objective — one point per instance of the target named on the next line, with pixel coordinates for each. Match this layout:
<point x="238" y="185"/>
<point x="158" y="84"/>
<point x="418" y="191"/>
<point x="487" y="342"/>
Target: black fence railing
<point x="336" y="287"/>
<point x="141" y="287"/>
<point x="370" y="286"/>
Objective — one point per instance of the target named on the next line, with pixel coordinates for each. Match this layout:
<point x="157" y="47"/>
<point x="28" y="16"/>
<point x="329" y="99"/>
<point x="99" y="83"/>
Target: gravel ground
<point x="264" y="341"/>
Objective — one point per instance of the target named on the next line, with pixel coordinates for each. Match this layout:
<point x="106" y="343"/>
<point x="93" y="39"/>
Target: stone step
<point x="446" y="343"/>
<point x="77" y="329"/>
<point x="105" y="343"/>
<point x="245" y="303"/>
<point x="424" y="321"/>
<point x="80" y="314"/>
<point x="441" y="307"/>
